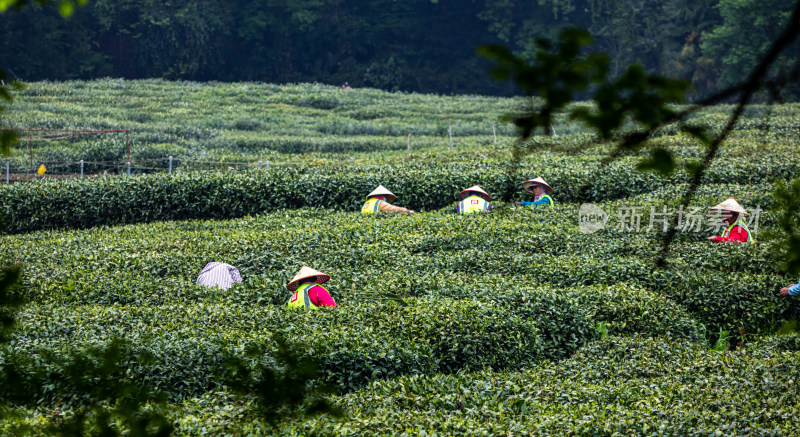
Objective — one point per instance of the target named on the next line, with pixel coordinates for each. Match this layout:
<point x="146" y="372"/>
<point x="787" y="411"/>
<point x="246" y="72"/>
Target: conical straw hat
<point x="382" y="191"/>
<point x="477" y="189"/>
<point x="730" y="205"/>
<point x="307" y="272"/>
<point x="530" y="183"/>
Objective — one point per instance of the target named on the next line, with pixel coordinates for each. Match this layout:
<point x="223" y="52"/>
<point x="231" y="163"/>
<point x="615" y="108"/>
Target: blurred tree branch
<point x="282" y="391"/>
<point x="755" y="83"/>
<point x="560" y="71"/>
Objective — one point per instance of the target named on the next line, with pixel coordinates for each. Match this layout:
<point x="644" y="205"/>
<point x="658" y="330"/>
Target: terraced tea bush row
<point x="626" y="386"/>
<point x="434" y="255"/>
<point x="518" y="291"/>
<point x="103" y="201"/>
<point x="618" y="385"/>
<point x="150" y="154"/>
<point x="85" y="203"/>
<point x="204" y="123"/>
<point x="353" y="346"/>
<point x="358" y="343"/>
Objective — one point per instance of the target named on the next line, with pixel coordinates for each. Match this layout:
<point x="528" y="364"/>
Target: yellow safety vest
<point x="371" y="206"/>
<point x="473" y="204"/>
<point x="300" y="297"/>
<point x="727" y="232"/>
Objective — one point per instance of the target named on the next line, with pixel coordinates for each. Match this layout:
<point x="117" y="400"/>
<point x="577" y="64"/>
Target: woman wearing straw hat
<point x="737" y="231"/>
<point x="474" y="200"/>
<point x="541" y="192"/>
<point x="379" y="200"/>
<point x="308" y="293"/>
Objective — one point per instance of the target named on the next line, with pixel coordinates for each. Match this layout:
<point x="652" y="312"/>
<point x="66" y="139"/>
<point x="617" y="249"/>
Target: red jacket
<point x="737" y="235"/>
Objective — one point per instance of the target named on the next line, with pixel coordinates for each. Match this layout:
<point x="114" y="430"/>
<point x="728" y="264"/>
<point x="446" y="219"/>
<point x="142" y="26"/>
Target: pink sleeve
<point x="320" y="297"/>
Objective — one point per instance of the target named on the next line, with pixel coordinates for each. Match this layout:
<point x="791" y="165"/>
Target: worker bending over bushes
<point x="308" y="293"/>
<point x="737" y="231"/>
<point x="541" y="192"/>
<point x="379" y="200"/>
<point x="219" y="274"/>
<point x="792" y="290"/>
<point x="474" y="200"/>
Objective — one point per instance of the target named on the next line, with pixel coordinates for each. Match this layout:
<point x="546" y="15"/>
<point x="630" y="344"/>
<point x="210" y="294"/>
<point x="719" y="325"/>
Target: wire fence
<point x="19" y="170"/>
<point x="83" y="168"/>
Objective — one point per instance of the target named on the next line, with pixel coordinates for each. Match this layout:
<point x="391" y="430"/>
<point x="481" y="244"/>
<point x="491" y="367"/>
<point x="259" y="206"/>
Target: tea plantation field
<point x="235" y="125"/>
<point x="220" y="125"/>
<point x="511" y="323"/>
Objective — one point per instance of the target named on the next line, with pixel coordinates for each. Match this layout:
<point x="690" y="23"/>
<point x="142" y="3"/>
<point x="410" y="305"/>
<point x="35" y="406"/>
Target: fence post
<point x="267" y="168"/>
<point x="494" y="133"/>
<point x="351" y="160"/>
<point x="450" y="131"/>
<point x="170" y="164"/>
<point x="408" y="146"/>
<point x="7" y="168"/>
<point x="129" y="169"/>
<point x="81" y="169"/>
<point x="259" y="165"/>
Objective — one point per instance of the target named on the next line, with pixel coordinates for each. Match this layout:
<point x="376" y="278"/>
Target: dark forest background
<point x="407" y="45"/>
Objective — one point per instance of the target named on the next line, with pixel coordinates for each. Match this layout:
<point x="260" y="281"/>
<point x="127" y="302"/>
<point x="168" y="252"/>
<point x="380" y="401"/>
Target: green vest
<point x="371" y="206"/>
<point x="473" y="204"/>
<point x="300" y="297"/>
<point x="727" y="232"/>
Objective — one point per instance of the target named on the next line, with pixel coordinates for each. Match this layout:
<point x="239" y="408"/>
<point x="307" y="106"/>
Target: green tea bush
<point x="627" y="386"/>
<point x="726" y="301"/>
<point x="781" y="343"/>
<point x="510" y="323"/>
<point x="443" y="336"/>
<point x="512" y="250"/>
<point x="352" y="346"/>
<point x="84" y="203"/>
<point x="631" y="310"/>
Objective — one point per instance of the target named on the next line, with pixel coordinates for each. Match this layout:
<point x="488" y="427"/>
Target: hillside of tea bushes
<point x="235" y="125"/>
<point x="221" y="125"/>
<point x="511" y="323"/>
<point x="515" y="296"/>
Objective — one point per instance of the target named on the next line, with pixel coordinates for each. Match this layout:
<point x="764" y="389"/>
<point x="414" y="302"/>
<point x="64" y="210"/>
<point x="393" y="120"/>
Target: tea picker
<point x="219" y="274"/>
<point x="379" y="200"/>
<point x="308" y="291"/>
<point x="792" y="290"/>
<point x="474" y="200"/>
<point x="736" y="231"/>
<point x="541" y="191"/>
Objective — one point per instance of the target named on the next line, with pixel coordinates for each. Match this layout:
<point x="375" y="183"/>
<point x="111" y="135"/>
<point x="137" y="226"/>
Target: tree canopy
<point x="413" y="45"/>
